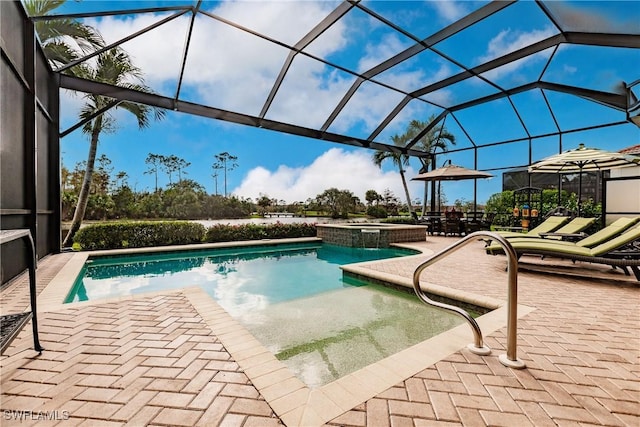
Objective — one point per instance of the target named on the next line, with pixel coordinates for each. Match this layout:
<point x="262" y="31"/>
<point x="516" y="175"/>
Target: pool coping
<point x="372" y="225"/>
<point x="293" y="401"/>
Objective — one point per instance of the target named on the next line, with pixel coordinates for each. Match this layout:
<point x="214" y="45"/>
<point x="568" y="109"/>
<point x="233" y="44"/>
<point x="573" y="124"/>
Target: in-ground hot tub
<point x="370" y="234"/>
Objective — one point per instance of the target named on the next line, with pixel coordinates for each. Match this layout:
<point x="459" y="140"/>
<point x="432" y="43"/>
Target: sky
<point x="228" y="69"/>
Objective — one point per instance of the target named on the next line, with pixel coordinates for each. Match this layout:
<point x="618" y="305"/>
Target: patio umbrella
<point x="583" y="159"/>
<point x="451" y="172"/>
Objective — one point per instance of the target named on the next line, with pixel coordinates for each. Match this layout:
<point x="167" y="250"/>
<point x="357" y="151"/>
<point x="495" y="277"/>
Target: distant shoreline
<point x="233" y="221"/>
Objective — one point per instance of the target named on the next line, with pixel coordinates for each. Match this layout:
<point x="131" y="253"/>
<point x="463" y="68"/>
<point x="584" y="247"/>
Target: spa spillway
<point x="370" y="235"/>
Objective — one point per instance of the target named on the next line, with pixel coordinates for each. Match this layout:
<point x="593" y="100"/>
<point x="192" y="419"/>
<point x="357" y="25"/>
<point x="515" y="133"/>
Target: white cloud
<point x="372" y="102"/>
<point x="389" y="46"/>
<point x="156" y="52"/>
<point x="508" y="41"/>
<point x="233" y="70"/>
<point x="450" y="10"/>
<point x="345" y="170"/>
<point x="308" y="94"/>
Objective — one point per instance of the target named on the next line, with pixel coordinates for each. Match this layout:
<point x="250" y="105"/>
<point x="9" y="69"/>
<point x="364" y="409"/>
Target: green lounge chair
<point x="548" y="225"/>
<point x="601" y="236"/>
<point x="573" y="227"/>
<point x="619" y="251"/>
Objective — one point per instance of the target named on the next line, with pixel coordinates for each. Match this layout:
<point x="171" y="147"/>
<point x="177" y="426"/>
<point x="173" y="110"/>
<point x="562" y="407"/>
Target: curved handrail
<point x="511" y="359"/>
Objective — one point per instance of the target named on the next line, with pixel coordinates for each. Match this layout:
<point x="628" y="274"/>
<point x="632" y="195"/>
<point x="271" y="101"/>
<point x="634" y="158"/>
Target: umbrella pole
<point x="433" y="196"/>
<point x="579" y="191"/>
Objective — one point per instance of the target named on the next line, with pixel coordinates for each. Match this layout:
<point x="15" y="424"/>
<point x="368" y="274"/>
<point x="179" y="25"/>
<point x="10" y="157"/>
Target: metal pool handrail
<point x="511" y="359"/>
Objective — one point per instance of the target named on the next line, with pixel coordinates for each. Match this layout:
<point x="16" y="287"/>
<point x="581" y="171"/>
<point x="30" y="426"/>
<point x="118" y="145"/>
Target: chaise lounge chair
<point x="575" y="227"/>
<point x="601" y="236"/>
<point x="548" y="225"/>
<point x="571" y="230"/>
<point x="620" y="251"/>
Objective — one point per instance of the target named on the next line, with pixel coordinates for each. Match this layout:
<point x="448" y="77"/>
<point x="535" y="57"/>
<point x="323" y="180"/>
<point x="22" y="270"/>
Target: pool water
<point x="293" y="298"/>
<point x="240" y="279"/>
<point x="330" y="335"/>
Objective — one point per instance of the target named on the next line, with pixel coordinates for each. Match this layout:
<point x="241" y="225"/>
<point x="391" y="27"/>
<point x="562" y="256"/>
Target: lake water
<point x="282" y="220"/>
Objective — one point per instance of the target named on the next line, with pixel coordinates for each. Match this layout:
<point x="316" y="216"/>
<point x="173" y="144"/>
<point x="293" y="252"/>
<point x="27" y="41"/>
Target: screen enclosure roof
<point x="525" y="73"/>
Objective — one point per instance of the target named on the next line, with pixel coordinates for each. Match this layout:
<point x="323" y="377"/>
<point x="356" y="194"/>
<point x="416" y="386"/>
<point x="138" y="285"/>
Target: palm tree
<point x="56" y="34"/>
<point x="112" y="67"/>
<point x="432" y="140"/>
<point x="398" y="159"/>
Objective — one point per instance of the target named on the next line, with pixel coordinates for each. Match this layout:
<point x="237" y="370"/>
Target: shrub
<point x="118" y="235"/>
<point x="377" y="211"/>
<point x="502" y="205"/>
<point x="228" y="233"/>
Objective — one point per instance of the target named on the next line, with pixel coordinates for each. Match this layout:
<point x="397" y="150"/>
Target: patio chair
<point x="415" y="218"/>
<point x="473" y="221"/>
<point x="453" y="223"/>
<point x="433" y="220"/>
<point x="621" y="251"/>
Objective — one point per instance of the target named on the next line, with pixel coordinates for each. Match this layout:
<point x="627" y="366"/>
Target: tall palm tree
<point x="437" y="137"/>
<point x="398" y="159"/>
<point x="112" y="67"/>
<point x="63" y="40"/>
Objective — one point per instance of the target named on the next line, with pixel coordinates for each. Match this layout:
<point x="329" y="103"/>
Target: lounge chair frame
<point x="625" y="260"/>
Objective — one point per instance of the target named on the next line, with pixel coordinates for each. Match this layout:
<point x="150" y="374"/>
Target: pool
<point x="239" y="278"/>
<point x="293" y="298"/>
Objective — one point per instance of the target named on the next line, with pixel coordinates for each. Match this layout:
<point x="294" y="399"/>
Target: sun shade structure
<point x="583" y="159"/>
<point x="356" y="72"/>
<point x="451" y="172"/>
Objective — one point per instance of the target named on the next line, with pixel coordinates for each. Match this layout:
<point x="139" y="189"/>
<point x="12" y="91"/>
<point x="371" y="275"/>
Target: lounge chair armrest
<point x="630" y="251"/>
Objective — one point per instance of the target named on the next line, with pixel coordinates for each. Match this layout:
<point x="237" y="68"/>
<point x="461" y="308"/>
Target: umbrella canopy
<point x="451" y="173"/>
<point x="583" y="159"/>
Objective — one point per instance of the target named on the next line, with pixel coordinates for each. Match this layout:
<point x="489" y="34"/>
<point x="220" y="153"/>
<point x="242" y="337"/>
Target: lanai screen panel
<point x="29" y="149"/>
<point x="357" y="72"/>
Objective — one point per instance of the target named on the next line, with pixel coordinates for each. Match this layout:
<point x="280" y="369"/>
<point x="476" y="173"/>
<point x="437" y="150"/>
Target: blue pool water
<point x="292" y="298"/>
<point x="238" y="278"/>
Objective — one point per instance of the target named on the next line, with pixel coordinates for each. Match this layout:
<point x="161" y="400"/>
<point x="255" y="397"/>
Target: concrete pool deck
<point x="176" y="358"/>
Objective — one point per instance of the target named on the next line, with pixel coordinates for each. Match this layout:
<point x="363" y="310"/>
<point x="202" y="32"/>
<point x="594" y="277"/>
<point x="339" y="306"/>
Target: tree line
<point x="89" y="191"/>
<point x="112" y="197"/>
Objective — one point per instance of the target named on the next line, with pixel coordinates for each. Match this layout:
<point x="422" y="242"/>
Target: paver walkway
<point x="581" y="346"/>
<point x="153" y="360"/>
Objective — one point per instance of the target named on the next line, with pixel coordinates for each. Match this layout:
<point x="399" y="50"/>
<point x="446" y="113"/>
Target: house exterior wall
<point x="29" y="142"/>
<point x="622" y="194"/>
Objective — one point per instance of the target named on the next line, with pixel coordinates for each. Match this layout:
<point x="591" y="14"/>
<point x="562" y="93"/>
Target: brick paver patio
<point x="159" y="359"/>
